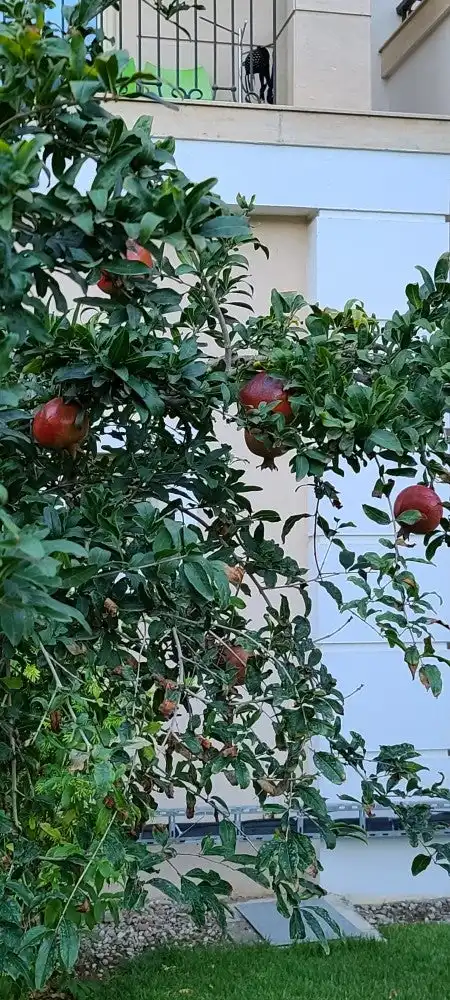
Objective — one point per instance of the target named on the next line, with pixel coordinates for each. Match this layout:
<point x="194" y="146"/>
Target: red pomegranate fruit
<point x="426" y="501"/>
<point x="264" y="451"/>
<point x="136" y="252"/>
<point x="110" y="285"/>
<point x="168" y="708"/>
<point x="60" y="425"/>
<point x="264" y="388"/>
<point x="236" y="657"/>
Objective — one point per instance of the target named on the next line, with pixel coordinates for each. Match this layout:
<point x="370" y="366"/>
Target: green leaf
<point x="316" y="928"/>
<point x="332" y="590"/>
<point x="431" y="678"/>
<point x="15" y="623"/>
<point x="149" y="223"/>
<point x="441" y="271"/>
<point x="228" y="835"/>
<point x="346" y="558"/>
<point x="297" y="929"/>
<point x="198" y="579"/>
<point x="84" y="90"/>
<point x="45" y="962"/>
<point x="379" y="516"/>
<point x="69" y="944"/>
<point x="145" y="390"/>
<point x="33" y="935"/>
<point x="290" y="523"/>
<point x="128" y="268"/>
<point x="329" y="766"/>
<point x="168" y="888"/>
<point x="325" y="915"/>
<point x="106" y="177"/>
<point x="64" y="545"/>
<point x="387" y="440"/>
<point x="85" y="222"/>
<point x="409" y="517"/>
<point x="427" y="279"/>
<point x="301" y="467"/>
<point x="226" y="227"/>
<point x="420" y="863"/>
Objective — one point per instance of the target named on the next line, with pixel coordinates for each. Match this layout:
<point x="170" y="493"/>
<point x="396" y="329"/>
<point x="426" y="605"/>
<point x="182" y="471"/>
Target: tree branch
<point x="222" y="323"/>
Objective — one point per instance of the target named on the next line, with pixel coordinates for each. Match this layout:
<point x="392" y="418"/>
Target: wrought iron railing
<point x="219" y="50"/>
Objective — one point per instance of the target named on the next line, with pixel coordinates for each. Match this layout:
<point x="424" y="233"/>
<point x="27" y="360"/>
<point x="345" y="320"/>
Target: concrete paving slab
<point x="271" y="926"/>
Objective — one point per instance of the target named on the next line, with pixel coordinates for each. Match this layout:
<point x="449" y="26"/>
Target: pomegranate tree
<point x="136" y="575"/>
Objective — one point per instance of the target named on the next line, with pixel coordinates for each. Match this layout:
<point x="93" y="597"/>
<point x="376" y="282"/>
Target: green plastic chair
<point x="189" y="88"/>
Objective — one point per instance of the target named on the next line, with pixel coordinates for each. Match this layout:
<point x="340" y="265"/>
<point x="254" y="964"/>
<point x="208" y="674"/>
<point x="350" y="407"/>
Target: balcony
<point x="225" y="51"/>
<point x="314" y="55"/>
<point x="414" y="60"/>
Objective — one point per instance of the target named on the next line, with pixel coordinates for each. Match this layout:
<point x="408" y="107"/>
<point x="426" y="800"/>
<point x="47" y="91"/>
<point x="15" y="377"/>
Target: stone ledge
<point x="424" y="19"/>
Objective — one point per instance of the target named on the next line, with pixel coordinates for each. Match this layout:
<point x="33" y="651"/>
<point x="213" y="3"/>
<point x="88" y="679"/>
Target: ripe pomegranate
<point x="424" y="499"/>
<point x="136" y="252"/>
<point x="168" y="708"/>
<point x="237" y="657"/>
<point x="264" y="451"/>
<point x="110" y="285"/>
<point x="60" y="425"/>
<point x="264" y="388"/>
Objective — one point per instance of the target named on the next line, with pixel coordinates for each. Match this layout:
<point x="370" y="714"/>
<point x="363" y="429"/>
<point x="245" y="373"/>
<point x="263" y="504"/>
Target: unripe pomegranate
<point x="60" y="425"/>
<point x="237" y="657"/>
<point x="264" y="388"/>
<point x="136" y="252"/>
<point x="426" y="501"/>
<point x="264" y="451"/>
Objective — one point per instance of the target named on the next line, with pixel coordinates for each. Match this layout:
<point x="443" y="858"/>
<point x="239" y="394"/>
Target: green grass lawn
<point x="413" y="964"/>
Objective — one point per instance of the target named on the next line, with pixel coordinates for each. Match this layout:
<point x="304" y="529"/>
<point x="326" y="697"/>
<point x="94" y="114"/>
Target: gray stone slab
<point x="263" y="916"/>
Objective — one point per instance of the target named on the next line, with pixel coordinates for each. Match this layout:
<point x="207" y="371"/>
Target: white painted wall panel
<point x="373" y="257"/>
<point x="311" y="177"/>
<point x="379" y="870"/>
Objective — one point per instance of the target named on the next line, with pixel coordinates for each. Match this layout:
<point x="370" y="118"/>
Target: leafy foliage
<point x="122" y="585"/>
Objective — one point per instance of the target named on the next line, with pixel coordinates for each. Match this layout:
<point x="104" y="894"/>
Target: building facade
<point x="343" y="140"/>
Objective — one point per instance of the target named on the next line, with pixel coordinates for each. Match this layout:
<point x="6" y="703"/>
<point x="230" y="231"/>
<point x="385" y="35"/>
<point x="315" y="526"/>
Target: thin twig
<point x="330" y="634"/>
<point x="262" y="592"/>
<point x="179" y="655"/>
<point x="359" y="688"/>
<point x="12" y="743"/>
<point x="59" y="686"/>
<point x="222" y="323"/>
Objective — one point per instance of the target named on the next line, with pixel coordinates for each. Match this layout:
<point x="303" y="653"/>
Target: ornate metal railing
<point x="219" y="50"/>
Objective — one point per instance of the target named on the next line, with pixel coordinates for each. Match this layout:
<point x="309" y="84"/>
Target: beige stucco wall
<point x="288" y="239"/>
<point x="329" y="44"/>
<point x="415" y="62"/>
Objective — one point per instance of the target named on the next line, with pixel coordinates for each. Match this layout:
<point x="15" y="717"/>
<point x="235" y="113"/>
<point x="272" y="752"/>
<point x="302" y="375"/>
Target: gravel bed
<point x="158" y="924"/>
<point x="164" y="923"/>
<point x="407" y="911"/>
